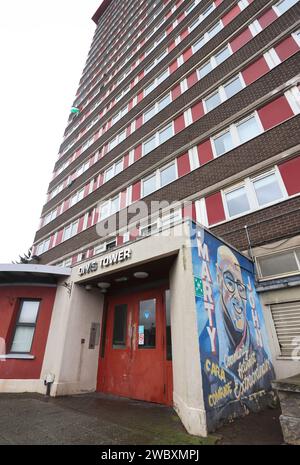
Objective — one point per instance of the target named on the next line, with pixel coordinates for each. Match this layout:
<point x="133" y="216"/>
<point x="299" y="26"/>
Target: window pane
<point x="165" y="134"/>
<point x="147" y="324"/>
<point x="149" y="114"/>
<point x="167" y="175"/>
<point x="205" y="69"/>
<point x="163" y="76"/>
<point x="164" y="102"/>
<point x="109" y="173"/>
<point x="199" y="44"/>
<point x="277" y="264"/>
<point x="214" y="30"/>
<point x="120" y="325"/>
<point x="267" y="189"/>
<point x="149" y="145"/>
<point x="149" y="185"/>
<point x="29" y="311"/>
<point x="114" y="205"/>
<point x="285" y="5"/>
<point x="233" y="87"/>
<point x="168" y="325"/>
<point x="213" y="101"/>
<point x="237" y="202"/>
<point x="223" y="143"/>
<point x="119" y="166"/>
<point x="222" y="55"/>
<point x="22" y="339"/>
<point x="248" y="129"/>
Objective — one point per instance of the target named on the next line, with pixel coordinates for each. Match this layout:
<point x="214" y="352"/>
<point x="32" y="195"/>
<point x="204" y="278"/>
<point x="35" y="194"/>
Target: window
<point x="114" y="205"/>
<point x="165" y="134"/>
<point x="149" y="145"/>
<point x="222" y="55"/>
<point x="212" y="101"/>
<point x="25" y="327"/>
<point x="204" y="70"/>
<point x="237" y="201"/>
<point x="284" y="5"/>
<point x="233" y="87"/>
<point x="248" y="129"/>
<point x="149" y="185"/>
<point x="70" y="231"/>
<point x="120" y="326"/>
<point x="43" y="247"/>
<point x="267" y="189"/>
<point x="286" y="317"/>
<point x="149" y="114"/>
<point x="156" y="108"/>
<point x="279" y="264"/>
<point x="147" y="324"/>
<point x="223" y="143"/>
<point x="167" y="175"/>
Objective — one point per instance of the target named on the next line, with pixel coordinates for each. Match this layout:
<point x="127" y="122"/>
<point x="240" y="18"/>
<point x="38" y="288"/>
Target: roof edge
<point x="104" y="4"/>
<point x="38" y="269"/>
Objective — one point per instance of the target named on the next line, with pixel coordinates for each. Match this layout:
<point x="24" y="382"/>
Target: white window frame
<point x="157" y="176"/>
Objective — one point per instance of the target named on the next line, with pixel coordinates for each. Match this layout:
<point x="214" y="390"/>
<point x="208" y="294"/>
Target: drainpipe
<point x="48" y="381"/>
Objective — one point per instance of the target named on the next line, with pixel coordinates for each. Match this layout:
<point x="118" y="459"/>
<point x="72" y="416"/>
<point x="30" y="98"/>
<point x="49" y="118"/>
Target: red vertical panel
<point x="140" y="96"/>
<point x="173" y="66"/>
<point x="215" y="208"/>
<point x="169" y="29"/>
<point x="275" y="112"/>
<point x="138" y="152"/>
<point x="183" y="165"/>
<point x="51" y="241"/>
<point x="126" y="161"/>
<point x="181" y="17"/>
<point x="179" y="124"/>
<point x="184" y="34"/>
<point x="139" y="122"/>
<point x="80" y="224"/>
<point x="241" y="40"/>
<point x="218" y="2"/>
<point x="59" y="236"/>
<point x="136" y="191"/>
<point x="197" y="111"/>
<point x="120" y="240"/>
<point x="290" y="174"/>
<point x="128" y="131"/>
<point x="205" y="153"/>
<point x="192" y="79"/>
<point x="123" y="200"/>
<point x="255" y="70"/>
<point x="189" y="211"/>
<point x="286" y="48"/>
<point x="187" y="54"/>
<point x="171" y="46"/>
<point x="226" y="19"/>
<point x="267" y="18"/>
<point x="176" y="92"/>
<point x="86" y="190"/>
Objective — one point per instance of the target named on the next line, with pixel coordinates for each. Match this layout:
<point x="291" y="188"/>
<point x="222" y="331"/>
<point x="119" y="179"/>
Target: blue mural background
<point x="235" y="356"/>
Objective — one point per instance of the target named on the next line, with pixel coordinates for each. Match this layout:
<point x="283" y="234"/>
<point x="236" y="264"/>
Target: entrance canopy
<point x="12" y="273"/>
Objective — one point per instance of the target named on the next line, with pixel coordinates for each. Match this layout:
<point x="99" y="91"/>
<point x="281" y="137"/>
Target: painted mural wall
<point x="234" y="353"/>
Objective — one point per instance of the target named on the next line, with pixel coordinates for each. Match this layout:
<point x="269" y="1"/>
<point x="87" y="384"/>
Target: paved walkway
<point x="98" y="419"/>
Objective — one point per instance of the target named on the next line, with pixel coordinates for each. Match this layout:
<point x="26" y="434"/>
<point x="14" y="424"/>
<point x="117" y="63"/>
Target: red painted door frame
<point x="132" y="371"/>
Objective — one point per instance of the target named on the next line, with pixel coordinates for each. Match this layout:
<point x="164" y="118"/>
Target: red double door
<point x="136" y="347"/>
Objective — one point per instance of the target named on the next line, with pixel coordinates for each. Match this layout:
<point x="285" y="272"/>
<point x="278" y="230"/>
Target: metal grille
<point x="286" y="317"/>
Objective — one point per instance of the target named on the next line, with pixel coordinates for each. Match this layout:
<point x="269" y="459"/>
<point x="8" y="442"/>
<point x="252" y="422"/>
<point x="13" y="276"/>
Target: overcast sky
<point x="43" y="49"/>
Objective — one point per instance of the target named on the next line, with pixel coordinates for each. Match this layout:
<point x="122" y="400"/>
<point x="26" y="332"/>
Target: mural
<point x="235" y="357"/>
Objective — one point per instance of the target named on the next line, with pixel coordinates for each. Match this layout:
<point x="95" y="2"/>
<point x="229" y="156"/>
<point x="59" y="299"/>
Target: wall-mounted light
<point x="88" y="287"/>
<point x="141" y="274"/>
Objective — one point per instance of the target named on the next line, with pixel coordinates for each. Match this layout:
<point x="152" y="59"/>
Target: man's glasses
<point x="231" y="284"/>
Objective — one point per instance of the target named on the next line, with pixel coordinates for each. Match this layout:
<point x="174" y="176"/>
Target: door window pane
<point x="233" y="87"/>
<point x="267" y="189"/>
<point x="248" y="129"/>
<point x="168" y="325"/>
<point x="213" y="101"/>
<point x="223" y="143"/>
<point x="237" y="201"/>
<point x="147" y="324"/>
<point x="120" y="326"/>
<point x="167" y="175"/>
<point x="149" y="185"/>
